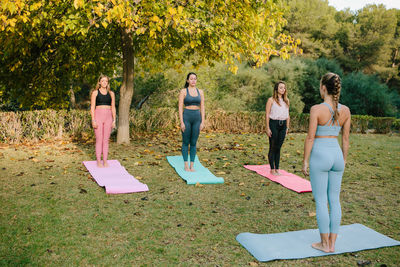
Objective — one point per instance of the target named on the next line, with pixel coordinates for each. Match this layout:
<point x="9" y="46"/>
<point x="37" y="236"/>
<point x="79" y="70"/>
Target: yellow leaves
<point x="79" y="3"/>
<point x="233" y="68"/>
<point x="192" y="44"/>
<point x="155" y="18"/>
<point x="180" y="9"/>
<point x="16" y="65"/>
<point x="172" y="11"/>
<point x="105" y="24"/>
<point x="35" y="6"/>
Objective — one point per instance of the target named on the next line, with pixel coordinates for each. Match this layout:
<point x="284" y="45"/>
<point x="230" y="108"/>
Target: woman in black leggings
<point x="277" y="119"/>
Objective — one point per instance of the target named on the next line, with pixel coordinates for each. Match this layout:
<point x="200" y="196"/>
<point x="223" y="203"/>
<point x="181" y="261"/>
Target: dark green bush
<point x="365" y="95"/>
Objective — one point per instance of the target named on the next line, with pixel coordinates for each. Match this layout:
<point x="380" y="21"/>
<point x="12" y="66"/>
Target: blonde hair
<point x="333" y="86"/>
<point x="275" y="95"/>
<point x="98" y="82"/>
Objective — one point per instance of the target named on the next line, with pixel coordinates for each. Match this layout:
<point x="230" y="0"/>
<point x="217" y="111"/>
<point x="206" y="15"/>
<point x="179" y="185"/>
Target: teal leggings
<point x="326" y="171"/>
<point x="192" y="121"/>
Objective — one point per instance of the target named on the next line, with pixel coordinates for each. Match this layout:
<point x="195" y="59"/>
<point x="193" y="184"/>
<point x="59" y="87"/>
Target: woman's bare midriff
<point x="192" y="107"/>
<point x="103" y="107"/>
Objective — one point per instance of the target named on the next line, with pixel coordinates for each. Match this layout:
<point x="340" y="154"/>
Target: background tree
<point x="168" y="31"/>
<point x="313" y="21"/>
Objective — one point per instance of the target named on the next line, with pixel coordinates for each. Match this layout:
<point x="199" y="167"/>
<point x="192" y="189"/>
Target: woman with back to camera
<point x="327" y="159"/>
<point x="102" y="109"/>
<point x="191" y="116"/>
<point x="277" y="121"/>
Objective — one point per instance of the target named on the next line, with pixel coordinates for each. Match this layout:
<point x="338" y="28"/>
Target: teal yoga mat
<point x="202" y="175"/>
<point x="297" y="244"/>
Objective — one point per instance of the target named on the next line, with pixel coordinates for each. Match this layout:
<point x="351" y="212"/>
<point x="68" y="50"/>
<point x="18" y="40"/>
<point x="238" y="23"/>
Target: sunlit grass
<point x="54" y="214"/>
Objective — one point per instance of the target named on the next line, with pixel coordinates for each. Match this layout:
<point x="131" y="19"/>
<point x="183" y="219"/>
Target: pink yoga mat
<point x="114" y="178"/>
<point x="287" y="179"/>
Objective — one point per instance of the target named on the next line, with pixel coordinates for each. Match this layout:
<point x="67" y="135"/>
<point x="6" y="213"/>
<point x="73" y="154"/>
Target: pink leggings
<point x="103" y="119"/>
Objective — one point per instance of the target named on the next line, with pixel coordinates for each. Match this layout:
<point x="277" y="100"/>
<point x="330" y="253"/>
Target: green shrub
<point x="365" y="95"/>
<point x="16" y="127"/>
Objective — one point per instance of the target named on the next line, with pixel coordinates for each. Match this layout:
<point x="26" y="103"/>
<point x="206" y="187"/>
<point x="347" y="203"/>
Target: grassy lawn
<point x="54" y="214"/>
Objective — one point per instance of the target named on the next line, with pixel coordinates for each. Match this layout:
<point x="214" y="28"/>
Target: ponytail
<point x="333" y="86"/>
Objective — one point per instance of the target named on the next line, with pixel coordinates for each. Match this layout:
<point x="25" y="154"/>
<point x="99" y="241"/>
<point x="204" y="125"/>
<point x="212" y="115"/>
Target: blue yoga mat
<point x="202" y="175"/>
<point x="297" y="244"/>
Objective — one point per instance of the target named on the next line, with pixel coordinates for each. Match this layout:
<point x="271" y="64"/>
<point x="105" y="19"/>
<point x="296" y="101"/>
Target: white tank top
<point x="279" y="112"/>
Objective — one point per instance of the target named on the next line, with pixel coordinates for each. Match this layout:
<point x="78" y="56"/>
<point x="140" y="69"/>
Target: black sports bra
<point x="103" y="100"/>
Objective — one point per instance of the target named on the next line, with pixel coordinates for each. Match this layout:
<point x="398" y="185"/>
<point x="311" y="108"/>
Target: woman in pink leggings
<point x="102" y="109"/>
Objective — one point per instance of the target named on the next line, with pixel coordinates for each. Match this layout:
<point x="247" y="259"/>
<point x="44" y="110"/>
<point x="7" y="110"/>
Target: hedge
<point x="38" y="125"/>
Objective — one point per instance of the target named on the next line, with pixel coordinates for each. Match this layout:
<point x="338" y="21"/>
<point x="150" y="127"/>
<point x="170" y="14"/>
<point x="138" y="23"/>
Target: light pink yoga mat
<point x="114" y="178"/>
<point x="287" y="179"/>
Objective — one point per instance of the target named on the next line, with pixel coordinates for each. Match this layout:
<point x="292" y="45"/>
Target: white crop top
<point x="279" y="112"/>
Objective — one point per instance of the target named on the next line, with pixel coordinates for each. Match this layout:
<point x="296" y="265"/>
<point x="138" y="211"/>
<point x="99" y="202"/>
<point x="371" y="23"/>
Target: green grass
<point x="52" y="213"/>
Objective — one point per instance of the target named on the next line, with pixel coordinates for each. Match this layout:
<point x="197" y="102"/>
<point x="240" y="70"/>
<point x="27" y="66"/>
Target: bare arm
<point x="346" y="134"/>
<point x="202" y="110"/>
<point x="288" y="120"/>
<point x="309" y="141"/>
<point x="93" y="108"/>
<point x="267" y="112"/>
<point x="180" y="104"/>
<point x="114" y="112"/>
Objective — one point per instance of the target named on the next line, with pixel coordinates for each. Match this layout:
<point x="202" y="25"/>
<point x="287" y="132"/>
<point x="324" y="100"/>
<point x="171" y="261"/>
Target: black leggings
<point x="278" y="129"/>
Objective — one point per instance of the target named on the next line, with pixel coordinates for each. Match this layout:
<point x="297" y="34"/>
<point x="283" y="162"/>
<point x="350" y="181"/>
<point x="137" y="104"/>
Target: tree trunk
<point x="396" y="52"/>
<point x="72" y="100"/>
<point x="126" y="91"/>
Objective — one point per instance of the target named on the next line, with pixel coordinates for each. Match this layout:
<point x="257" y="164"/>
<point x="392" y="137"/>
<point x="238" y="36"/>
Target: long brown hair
<point x="98" y="82"/>
<point x="333" y="86"/>
<point x="275" y="96"/>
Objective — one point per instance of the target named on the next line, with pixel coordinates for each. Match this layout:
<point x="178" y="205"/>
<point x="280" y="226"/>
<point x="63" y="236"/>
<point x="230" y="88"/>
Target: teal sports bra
<point x="192" y="100"/>
<point x="331" y="128"/>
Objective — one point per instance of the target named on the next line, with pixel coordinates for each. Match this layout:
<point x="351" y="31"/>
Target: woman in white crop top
<point x="278" y="121"/>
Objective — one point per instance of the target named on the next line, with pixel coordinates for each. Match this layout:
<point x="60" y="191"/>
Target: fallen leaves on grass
<point x="311" y="214"/>
<point x="198" y="185"/>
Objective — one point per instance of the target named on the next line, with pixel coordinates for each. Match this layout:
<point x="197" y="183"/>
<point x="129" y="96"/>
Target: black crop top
<point x="103" y="100"/>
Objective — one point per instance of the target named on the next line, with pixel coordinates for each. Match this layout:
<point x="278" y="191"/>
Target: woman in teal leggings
<point x="327" y="159"/>
<point x="191" y="115"/>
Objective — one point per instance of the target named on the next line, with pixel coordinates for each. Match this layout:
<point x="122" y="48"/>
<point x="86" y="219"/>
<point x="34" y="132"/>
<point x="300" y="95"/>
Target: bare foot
<point x="321" y="247"/>
<point x="187" y="169"/>
<point x="100" y="165"/>
<point x="192" y="170"/>
<point x="332" y="249"/>
<point x="277" y="173"/>
<point x="106" y="164"/>
<point x="272" y="172"/>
